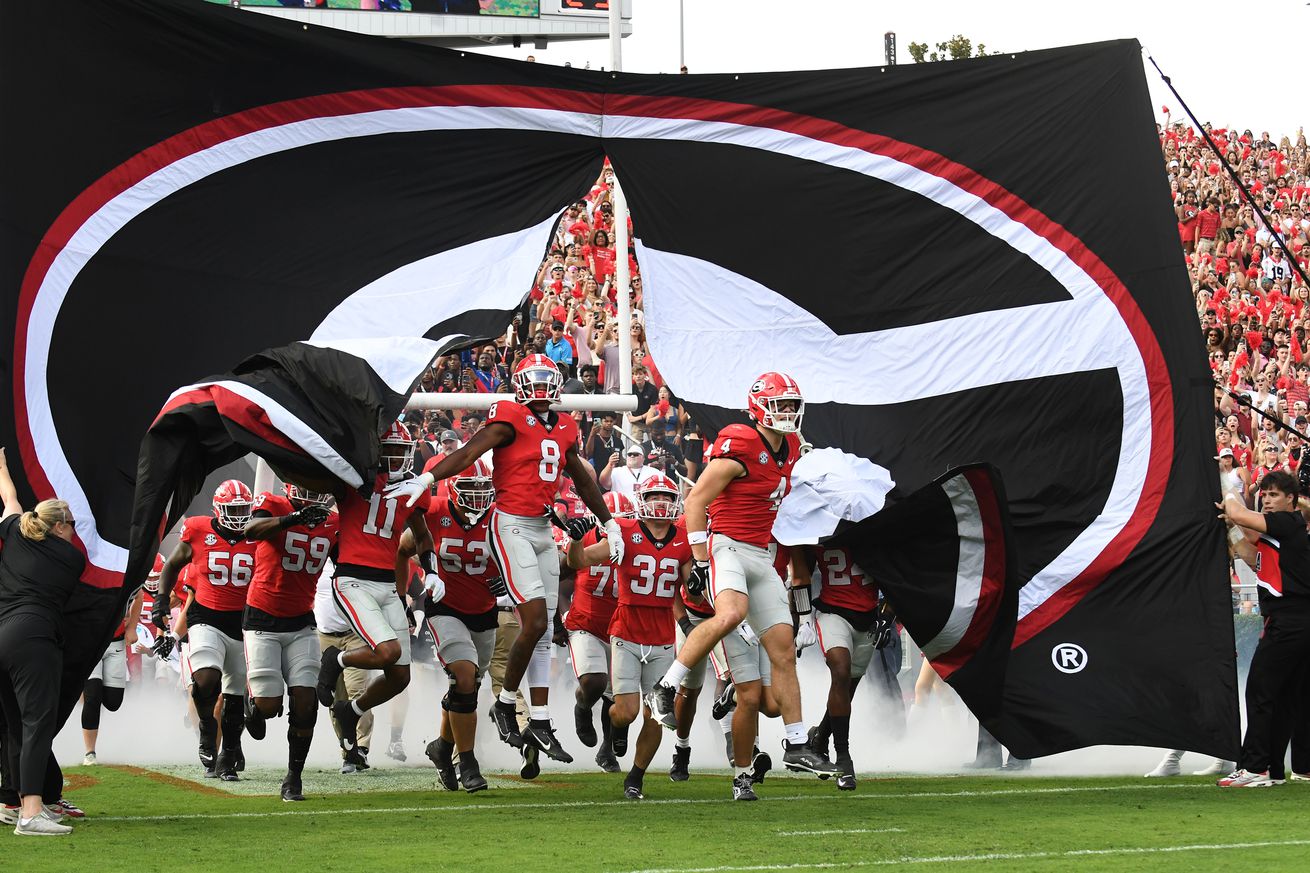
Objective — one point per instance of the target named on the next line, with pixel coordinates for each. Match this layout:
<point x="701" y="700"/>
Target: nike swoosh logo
<point x="347" y="745"/>
<point x="678" y="543"/>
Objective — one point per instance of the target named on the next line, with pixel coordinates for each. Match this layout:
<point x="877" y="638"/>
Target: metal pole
<point x="682" y="36"/>
<point x="616" y="35"/>
<point x="263" y="476"/>
<point x="623" y="281"/>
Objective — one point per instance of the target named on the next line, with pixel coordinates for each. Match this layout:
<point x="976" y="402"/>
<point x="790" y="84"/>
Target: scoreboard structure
<point x="454" y="23"/>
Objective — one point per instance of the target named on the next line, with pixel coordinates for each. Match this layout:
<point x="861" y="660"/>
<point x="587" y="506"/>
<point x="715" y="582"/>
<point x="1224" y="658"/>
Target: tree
<point x="955" y="48"/>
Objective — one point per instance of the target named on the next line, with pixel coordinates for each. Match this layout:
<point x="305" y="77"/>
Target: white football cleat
<point x="89" y="759"/>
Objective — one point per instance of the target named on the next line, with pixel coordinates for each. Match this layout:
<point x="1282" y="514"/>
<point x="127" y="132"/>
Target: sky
<point x="1226" y="78"/>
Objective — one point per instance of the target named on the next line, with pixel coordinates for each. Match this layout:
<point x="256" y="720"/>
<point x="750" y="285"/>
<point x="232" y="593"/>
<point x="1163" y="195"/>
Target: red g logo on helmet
<point x="767" y="397"/>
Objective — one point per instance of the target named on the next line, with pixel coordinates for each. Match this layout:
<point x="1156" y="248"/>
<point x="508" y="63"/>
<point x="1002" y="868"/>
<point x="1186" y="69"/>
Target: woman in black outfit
<point x="39" y="569"/>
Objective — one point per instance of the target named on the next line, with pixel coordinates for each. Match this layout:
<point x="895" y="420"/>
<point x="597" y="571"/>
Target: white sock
<point x="795" y="732"/>
<point x="682" y="742"/>
<point x="676" y="673"/>
<point x="354" y="704"/>
<point x="737" y="771"/>
<point x="539" y="713"/>
<point x="726" y="723"/>
<point x="507" y="696"/>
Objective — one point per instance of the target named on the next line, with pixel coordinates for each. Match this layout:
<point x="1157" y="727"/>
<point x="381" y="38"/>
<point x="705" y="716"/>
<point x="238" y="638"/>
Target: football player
<point x="745" y="688"/>
<point x="463" y="623"/>
<point x="365" y="588"/>
<point x="747" y="476"/>
<point x="109" y="679"/>
<point x="530" y="445"/>
<point x="595" y="596"/>
<point x="847" y="611"/>
<point x="222" y="563"/>
<point x="295" y="534"/>
<point x="656" y="559"/>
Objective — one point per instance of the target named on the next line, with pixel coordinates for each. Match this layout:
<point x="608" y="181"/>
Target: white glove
<point x="435" y="588"/>
<point x="614" y="536"/>
<point x="410" y="488"/>
<point x="748" y="634"/>
<point x="418" y="623"/>
<point x="504" y="602"/>
<point x="805" y="634"/>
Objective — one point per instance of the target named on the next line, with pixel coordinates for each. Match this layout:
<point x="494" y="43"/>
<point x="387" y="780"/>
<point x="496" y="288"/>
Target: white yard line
<point x="476" y="806"/>
<point x="840" y="831"/>
<point x="990" y="856"/>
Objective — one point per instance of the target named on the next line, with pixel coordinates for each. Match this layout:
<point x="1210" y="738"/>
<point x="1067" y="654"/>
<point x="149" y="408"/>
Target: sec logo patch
<point x="764" y="457"/>
<point x="636" y="539"/>
<point x="531" y="421"/>
<point x="445" y="521"/>
<point x="210" y="539"/>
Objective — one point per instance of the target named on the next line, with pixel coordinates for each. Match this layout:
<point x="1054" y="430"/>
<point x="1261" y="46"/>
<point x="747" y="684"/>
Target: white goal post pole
<point x="566" y="402"/>
<point x="623" y="280"/>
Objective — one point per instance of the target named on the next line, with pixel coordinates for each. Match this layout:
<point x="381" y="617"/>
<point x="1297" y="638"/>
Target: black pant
<point x="30" y="663"/>
<point x="1271" y="686"/>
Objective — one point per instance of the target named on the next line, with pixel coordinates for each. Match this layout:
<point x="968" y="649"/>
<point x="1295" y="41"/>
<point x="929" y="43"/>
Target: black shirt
<point x="647" y="396"/>
<point x="1288" y="528"/>
<point x="36" y="578"/>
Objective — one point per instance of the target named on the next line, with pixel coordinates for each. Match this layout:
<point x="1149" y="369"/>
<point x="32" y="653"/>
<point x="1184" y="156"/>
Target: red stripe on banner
<point x="220" y="130"/>
<point x="351" y="615"/>
<point x="241" y="411"/>
<point x="993" y="581"/>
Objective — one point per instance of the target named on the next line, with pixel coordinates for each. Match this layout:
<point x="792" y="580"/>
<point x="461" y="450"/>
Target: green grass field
<point x="398" y="819"/>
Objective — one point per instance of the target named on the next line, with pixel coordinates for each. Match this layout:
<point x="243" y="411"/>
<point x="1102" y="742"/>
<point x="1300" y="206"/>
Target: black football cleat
<point x="761" y="764"/>
<point x="329" y="671"/>
<point x="724" y="703"/>
<point x="743" y="788"/>
<point x="226" y="766"/>
<point x="256" y="724"/>
<point x="800" y="758"/>
<point x="632" y="789"/>
<point x="584" y="727"/>
<point x="208" y="758"/>
<point x="541" y="734"/>
<point x="818" y="741"/>
<point x="441" y="754"/>
<point x="846" y="781"/>
<point x="505" y="717"/>
<point x="470" y="775"/>
<point x="606" y="761"/>
<point x="531" y="768"/>
<point x="238" y="759"/>
<point x="348" y="722"/>
<point x="291" y="790"/>
<point x="681" y="758"/>
<point x="660" y="700"/>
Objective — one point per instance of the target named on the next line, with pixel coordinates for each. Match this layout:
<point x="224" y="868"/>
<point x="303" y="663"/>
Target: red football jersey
<point x="220" y="569"/>
<point x="648" y="580"/>
<point x="370" y="529"/>
<point x="463" y="558"/>
<point x="843" y="583"/>
<point x="747" y="507"/>
<point x="288" y="565"/>
<point x="526" y="472"/>
<point x="595" y="595"/>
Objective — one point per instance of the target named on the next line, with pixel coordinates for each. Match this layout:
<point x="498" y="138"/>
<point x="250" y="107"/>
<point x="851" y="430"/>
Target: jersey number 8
<point x="548" y="469"/>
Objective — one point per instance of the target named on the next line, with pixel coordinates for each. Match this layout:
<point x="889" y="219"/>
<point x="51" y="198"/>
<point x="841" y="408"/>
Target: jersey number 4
<point x="659" y="578"/>
<point x="226" y="568"/>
